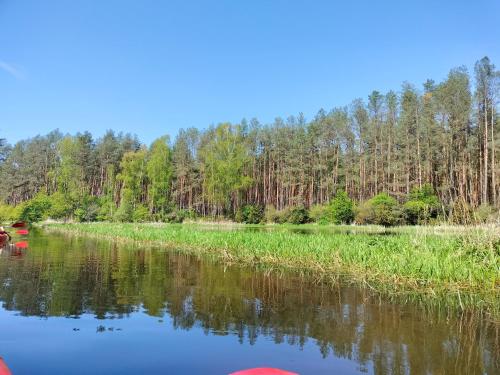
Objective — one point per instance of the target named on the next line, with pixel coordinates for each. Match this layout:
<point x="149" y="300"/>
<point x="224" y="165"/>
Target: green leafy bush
<point x="107" y="209"/>
<point x="382" y="209"/>
<point x="250" y="214"/>
<point x="177" y="216"/>
<point x="486" y="214"/>
<point x="87" y="209"/>
<point x="124" y="212"/>
<point x="8" y="213"/>
<point x="320" y="214"/>
<point x="36" y="209"/>
<point x="61" y="207"/>
<point x="341" y="209"/>
<point x="297" y="215"/>
<point x="140" y="214"/>
<point x="422" y="205"/>
<point x="270" y="213"/>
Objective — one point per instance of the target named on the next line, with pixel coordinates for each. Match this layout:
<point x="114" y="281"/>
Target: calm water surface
<point x="80" y="306"/>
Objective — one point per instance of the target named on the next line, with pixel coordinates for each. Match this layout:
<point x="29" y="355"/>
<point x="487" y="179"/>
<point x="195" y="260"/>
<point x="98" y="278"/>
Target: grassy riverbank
<point x="458" y="264"/>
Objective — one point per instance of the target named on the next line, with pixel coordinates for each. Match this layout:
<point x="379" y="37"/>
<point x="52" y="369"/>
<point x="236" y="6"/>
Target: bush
<point x="124" y="212"/>
<point x="461" y="213"/>
<point x="250" y="214"/>
<point x="107" y="209"/>
<point x="382" y="209"/>
<point x="486" y="214"/>
<point x="140" y="214"/>
<point x="8" y="213"/>
<point x="341" y="209"/>
<point x="422" y="205"/>
<point x="297" y="215"/>
<point x="36" y="209"/>
<point x="270" y="213"/>
<point x="416" y="212"/>
<point x="87" y="210"/>
<point x="61" y="206"/>
<point x="320" y="214"/>
<point x="176" y="216"/>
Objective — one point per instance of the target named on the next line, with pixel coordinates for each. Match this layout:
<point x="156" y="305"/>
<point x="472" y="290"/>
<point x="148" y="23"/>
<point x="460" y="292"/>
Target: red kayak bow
<point x="21" y="245"/>
<point x="4" y="370"/>
<point x="19" y="224"/>
<point x="22" y="231"/>
<point x="263" y="371"/>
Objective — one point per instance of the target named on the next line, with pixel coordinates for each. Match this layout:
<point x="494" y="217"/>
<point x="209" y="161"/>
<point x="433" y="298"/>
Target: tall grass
<point x="435" y="262"/>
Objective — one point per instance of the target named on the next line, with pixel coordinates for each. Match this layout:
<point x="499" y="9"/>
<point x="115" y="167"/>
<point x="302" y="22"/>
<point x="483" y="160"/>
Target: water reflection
<point x="68" y="277"/>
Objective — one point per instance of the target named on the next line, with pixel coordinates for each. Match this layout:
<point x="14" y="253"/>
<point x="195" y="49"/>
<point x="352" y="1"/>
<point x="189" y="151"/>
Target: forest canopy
<point x="411" y="156"/>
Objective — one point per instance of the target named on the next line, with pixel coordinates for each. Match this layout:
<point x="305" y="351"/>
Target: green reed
<point x="457" y="263"/>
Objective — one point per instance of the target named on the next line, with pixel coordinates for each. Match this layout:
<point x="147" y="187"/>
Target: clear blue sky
<point x="152" y="67"/>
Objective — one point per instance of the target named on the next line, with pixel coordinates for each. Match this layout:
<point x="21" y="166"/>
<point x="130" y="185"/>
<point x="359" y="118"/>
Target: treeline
<point x="440" y="141"/>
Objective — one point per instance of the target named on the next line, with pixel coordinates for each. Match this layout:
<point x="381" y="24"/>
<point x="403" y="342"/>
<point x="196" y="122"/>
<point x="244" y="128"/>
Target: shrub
<point x="250" y="214"/>
<point x="177" y="216"/>
<point x="107" y="209"/>
<point x="486" y="214"/>
<point x="319" y="214"/>
<point x="416" y="212"/>
<point x="124" y="212"/>
<point x="88" y="209"/>
<point x="8" y="213"/>
<point x="272" y="215"/>
<point x="61" y="206"/>
<point x="382" y="209"/>
<point x="341" y="209"/>
<point x="461" y="213"/>
<point x="36" y="209"/>
<point x="297" y="215"/>
<point x="140" y="214"/>
<point x="422" y="205"/>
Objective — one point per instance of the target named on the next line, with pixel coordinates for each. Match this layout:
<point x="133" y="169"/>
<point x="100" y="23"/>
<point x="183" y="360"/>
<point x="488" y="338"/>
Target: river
<point x="83" y="306"/>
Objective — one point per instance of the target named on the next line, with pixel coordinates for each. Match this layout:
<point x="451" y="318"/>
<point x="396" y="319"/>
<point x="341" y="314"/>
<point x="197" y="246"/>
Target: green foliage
<point x="87" y="209"/>
<point x="382" y="209"/>
<point x="319" y="214"/>
<point x="342" y="209"/>
<point x="225" y="157"/>
<point x="36" y="209"/>
<point x="133" y="173"/>
<point x="486" y="214"/>
<point x="250" y="214"/>
<point x="387" y="143"/>
<point x="159" y="171"/>
<point x="61" y="207"/>
<point x="271" y="214"/>
<point x="176" y="217"/>
<point x="107" y="208"/>
<point x="298" y="215"/>
<point x="124" y="213"/>
<point x="295" y="215"/>
<point x="422" y="205"/>
<point x="140" y="214"/>
<point x="8" y="213"/>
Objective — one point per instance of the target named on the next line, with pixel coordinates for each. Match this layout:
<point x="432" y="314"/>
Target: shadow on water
<point x="69" y="277"/>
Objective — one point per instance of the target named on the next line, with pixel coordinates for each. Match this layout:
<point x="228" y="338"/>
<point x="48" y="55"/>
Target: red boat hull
<point x="263" y="371"/>
<point x="4" y="370"/>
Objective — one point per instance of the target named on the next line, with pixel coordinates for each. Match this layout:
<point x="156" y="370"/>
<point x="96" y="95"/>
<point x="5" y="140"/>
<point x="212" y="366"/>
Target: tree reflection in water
<point x="67" y="276"/>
